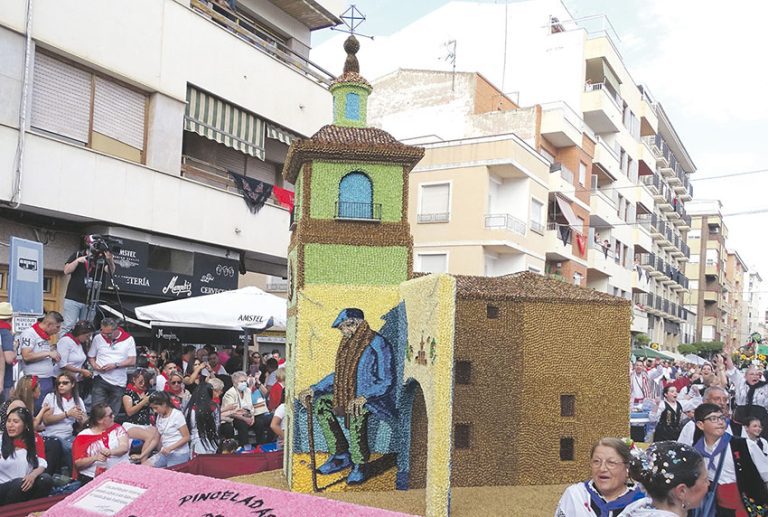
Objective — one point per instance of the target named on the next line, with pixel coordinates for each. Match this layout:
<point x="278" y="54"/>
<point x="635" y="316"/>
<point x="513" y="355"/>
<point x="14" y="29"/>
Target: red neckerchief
<point x="18" y="443"/>
<point x="67" y="398"/>
<point x="216" y="400"/>
<point x="134" y="389"/>
<point x="73" y="338"/>
<point x="4" y="324"/>
<point x="84" y="441"/>
<point x="40" y="332"/>
<point x="122" y="336"/>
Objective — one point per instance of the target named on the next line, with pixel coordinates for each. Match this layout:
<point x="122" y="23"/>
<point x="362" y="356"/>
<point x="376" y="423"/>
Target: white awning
<point x="567" y="211"/>
<point x="123" y="317"/>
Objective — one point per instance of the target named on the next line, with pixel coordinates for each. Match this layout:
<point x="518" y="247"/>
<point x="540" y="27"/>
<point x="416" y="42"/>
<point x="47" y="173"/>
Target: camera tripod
<point x="94" y="282"/>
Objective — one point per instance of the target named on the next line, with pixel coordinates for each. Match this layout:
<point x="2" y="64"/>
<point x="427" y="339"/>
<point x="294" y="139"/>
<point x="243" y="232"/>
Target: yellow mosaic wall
<point x="315" y="355"/>
<point x="430" y="304"/>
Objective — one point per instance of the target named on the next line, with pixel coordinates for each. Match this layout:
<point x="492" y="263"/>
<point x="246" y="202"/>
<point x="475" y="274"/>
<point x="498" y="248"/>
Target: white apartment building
<point x="127" y="118"/>
<point x="753" y="299"/>
<point x="577" y="104"/>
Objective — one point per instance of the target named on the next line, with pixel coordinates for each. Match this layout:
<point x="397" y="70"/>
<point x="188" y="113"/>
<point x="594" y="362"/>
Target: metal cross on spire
<point x="352" y="19"/>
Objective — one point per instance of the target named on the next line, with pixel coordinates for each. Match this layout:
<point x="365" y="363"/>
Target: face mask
<point x="242" y="386"/>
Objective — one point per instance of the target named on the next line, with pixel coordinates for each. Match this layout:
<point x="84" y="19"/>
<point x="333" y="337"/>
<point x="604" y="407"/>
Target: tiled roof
<point x="527" y="286"/>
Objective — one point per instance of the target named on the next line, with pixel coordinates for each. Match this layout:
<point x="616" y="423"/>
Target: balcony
<point x="247" y="30"/>
<point x="687" y="196"/>
<point x="647" y="164"/>
<point x="277" y="285"/>
<point x="607" y="157"/>
<point x="442" y="217"/>
<point x="712" y="296"/>
<point x="653" y="183"/>
<point x="561" y="242"/>
<point x="561" y="125"/>
<point x="505" y="222"/>
<point x="602" y="111"/>
<point x="347" y="210"/>
<point x="685" y="222"/>
<point x="712" y="269"/>
<point x="561" y="180"/>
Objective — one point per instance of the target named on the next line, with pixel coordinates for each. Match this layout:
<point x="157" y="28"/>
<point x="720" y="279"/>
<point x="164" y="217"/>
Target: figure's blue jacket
<point x="375" y="379"/>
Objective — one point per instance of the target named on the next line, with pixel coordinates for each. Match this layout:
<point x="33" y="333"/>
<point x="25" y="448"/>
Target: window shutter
<point x="434" y="263"/>
<point x="229" y="158"/>
<point x="118" y="112"/>
<point x="435" y="199"/>
<point x="61" y="98"/>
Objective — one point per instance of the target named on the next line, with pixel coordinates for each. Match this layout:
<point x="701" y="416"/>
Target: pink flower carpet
<point x="132" y="490"/>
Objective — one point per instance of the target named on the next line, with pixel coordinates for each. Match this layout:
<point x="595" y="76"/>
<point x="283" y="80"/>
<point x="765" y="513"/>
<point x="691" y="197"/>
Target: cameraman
<point x="80" y="266"/>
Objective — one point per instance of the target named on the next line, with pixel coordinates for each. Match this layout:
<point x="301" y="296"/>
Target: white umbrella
<point x="246" y="308"/>
<point x="695" y="359"/>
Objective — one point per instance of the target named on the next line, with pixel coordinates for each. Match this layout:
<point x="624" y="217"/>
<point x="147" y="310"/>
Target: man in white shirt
<point x="38" y="356"/>
<point x="112" y="351"/>
<point x="736" y="465"/>
<point x="643" y="384"/>
<point x="712" y="395"/>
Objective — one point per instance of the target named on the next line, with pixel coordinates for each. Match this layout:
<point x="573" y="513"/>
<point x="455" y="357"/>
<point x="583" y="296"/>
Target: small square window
<point x="461" y="436"/>
<point x="567" y="405"/>
<point x="463" y="372"/>
<point x="566" y="449"/>
<point x="47" y="284"/>
<point x="492" y="312"/>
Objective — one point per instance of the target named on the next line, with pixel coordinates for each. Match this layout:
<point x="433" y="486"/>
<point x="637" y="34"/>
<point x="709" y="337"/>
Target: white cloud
<point x="707" y="57"/>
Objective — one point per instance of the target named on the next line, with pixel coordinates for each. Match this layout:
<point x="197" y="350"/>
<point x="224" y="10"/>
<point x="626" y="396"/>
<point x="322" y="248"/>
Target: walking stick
<point x="311" y="430"/>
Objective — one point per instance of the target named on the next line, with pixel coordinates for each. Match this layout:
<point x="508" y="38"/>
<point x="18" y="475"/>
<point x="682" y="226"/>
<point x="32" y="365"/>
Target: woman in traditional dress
<point x="674" y="476"/>
<point x="668" y="414"/>
<point x="609" y="490"/>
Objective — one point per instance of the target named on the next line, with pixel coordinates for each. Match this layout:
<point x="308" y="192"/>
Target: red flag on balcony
<point x="284" y="197"/>
<point x="581" y="242"/>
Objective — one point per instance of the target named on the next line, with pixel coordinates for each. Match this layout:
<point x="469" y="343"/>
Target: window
<point x="433" y="262"/>
<point x="352" y="106"/>
<point x="355" y="197"/>
<point x="567" y="405"/>
<point x="47" y="284"/>
<point x="693" y="284"/>
<point x="463" y="372"/>
<point x="537" y="207"/>
<point x="547" y="156"/>
<point x="461" y="436"/>
<point x="434" y="204"/>
<point x="170" y="260"/>
<point x="577" y="278"/>
<point x="566" y="449"/>
<point x="492" y="312"/>
<point x="87" y="108"/>
<point x="582" y="173"/>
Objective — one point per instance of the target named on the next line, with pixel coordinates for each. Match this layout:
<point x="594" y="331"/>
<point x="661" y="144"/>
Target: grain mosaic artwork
<point x="399" y="380"/>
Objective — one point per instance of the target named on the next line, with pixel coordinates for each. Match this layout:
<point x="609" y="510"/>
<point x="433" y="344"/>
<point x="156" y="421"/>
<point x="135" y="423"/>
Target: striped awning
<point x="222" y="122"/>
<point x="280" y="134"/>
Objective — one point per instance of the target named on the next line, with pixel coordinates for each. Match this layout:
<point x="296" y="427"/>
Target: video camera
<point x="98" y="245"/>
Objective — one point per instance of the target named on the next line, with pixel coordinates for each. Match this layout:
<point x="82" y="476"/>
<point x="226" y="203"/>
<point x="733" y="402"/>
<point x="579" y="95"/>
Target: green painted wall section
<point x="355" y="265"/>
<point x="339" y="101"/>
<point x="298" y="196"/>
<point x="387" y="183"/>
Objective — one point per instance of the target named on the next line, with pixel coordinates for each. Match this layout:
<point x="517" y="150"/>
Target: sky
<point x="703" y="60"/>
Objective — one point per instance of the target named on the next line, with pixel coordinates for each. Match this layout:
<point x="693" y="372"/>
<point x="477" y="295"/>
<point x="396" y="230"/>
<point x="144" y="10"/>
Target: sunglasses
<point x="175" y="382"/>
<point x="63" y="383"/>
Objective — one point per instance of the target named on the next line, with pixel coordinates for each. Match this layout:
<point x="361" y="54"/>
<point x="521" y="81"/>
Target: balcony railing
<point x="615" y="99"/>
<point x="505" y="221"/>
<point x="358" y="211"/>
<point x="440" y="217"/>
<point x="557" y="228"/>
<point x="277" y="286"/>
<point x="536" y="226"/>
<point x="247" y="30"/>
<point x="646" y="259"/>
<point x="564" y="171"/>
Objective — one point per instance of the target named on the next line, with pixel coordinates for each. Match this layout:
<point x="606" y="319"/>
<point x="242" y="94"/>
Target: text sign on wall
<point x="25" y="279"/>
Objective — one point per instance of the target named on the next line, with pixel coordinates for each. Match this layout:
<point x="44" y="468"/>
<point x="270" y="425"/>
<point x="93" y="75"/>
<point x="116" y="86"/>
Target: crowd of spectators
<point x="95" y="400"/>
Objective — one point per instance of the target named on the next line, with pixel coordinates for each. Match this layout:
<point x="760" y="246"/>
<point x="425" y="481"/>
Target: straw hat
<point x="6" y="311"/>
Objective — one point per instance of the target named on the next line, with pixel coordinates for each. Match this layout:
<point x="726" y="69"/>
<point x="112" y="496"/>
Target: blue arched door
<point x="355" y="197"/>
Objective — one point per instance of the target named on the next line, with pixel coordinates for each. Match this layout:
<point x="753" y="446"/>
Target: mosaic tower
<point x="350" y="244"/>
